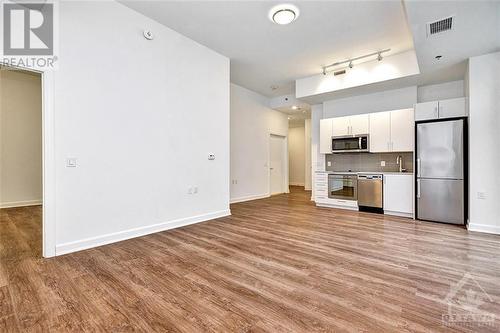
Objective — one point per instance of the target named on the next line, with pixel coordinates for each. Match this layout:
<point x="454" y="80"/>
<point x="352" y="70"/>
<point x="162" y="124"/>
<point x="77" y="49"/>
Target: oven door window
<point x="345" y="144"/>
<point x="342" y="188"/>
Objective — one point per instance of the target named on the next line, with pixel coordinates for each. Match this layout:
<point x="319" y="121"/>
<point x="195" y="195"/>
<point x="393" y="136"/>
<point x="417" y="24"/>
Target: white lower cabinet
<point x="398" y="194"/>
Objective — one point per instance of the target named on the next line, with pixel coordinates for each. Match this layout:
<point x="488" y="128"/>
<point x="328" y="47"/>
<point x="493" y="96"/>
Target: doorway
<point x="278" y="172"/>
<point x="21" y="161"/>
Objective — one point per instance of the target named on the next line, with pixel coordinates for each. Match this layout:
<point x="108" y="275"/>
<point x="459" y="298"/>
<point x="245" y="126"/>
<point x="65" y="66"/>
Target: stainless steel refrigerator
<point x="440" y="171"/>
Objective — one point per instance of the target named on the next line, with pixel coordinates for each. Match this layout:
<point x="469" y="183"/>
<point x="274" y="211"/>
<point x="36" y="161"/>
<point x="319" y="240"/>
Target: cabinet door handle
<point x="418" y="167"/>
<point x="418" y="188"/>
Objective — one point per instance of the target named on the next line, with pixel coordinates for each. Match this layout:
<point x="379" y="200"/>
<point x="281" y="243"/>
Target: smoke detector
<point x="440" y="26"/>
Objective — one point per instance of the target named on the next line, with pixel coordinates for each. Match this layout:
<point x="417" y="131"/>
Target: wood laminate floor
<point x="276" y="265"/>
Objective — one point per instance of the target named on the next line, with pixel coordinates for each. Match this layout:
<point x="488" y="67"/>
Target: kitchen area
<point x="409" y="162"/>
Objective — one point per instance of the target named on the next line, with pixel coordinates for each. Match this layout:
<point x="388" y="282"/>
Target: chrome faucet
<point x="400" y="162"/>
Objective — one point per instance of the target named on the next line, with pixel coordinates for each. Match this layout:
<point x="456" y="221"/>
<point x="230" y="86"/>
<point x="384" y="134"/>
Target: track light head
<point x="379" y="58"/>
<point x="350" y="64"/>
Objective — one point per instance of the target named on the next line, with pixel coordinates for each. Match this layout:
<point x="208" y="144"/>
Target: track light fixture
<point x="350" y="62"/>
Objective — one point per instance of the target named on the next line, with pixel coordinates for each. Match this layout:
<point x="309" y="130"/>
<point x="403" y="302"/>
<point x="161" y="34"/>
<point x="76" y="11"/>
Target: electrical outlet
<point x="190" y="190"/>
<point x="195" y="189"/>
<point x="329" y="163"/>
<point x="481" y="195"/>
<point x="382" y="163"/>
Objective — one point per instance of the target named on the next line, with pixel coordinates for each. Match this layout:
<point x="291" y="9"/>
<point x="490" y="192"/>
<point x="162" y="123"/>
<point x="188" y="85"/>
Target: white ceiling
<point x="476" y="31"/>
<point x="264" y="54"/>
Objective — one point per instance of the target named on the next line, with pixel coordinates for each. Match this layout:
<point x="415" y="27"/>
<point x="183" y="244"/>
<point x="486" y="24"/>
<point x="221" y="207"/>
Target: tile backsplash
<point x="367" y="162"/>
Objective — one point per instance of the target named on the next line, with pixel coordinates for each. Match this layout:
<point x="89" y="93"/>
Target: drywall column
<point x="484" y="154"/>
<point x="317" y="159"/>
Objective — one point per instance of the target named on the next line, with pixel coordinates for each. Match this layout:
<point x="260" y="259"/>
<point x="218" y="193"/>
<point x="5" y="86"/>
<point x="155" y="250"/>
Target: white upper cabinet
<point x="325" y="136"/>
<point x="341" y="126"/>
<point x="360" y="124"/>
<point x="402" y="130"/>
<point x="380" y="132"/>
<point x="426" y="111"/>
<point x="389" y="131"/>
<point x="450" y="108"/>
<point x="392" y="131"/>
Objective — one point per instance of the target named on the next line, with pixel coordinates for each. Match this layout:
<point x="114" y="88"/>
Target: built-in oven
<point x="343" y="186"/>
<point x="350" y="143"/>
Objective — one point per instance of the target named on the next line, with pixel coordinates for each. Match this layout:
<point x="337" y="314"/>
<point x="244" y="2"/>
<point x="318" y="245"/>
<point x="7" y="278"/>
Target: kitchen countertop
<point x="367" y="172"/>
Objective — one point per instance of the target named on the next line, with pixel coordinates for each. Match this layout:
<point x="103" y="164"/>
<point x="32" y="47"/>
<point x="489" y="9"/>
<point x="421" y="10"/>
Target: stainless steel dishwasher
<point x="370" y="191"/>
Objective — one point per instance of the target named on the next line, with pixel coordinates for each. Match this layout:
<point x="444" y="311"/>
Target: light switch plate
<point x="329" y="163"/>
<point x="71" y="162"/>
<point x="481" y="195"/>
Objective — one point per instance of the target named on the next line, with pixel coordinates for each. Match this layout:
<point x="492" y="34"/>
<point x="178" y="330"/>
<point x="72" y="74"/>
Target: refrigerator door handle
<point x="418" y="167"/>
<point x="418" y="188"/>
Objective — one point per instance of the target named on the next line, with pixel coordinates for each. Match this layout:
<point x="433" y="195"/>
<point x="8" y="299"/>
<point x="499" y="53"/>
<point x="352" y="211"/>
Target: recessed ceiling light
<point x="283" y="14"/>
<point x="438" y="57"/>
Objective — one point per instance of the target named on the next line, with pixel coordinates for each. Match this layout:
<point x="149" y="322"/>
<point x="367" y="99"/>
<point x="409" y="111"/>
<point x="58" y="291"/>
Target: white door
<point x="380" y="132"/>
<point x="325" y="136"/>
<point x="359" y="124"/>
<point x="341" y="126"/>
<point x="402" y="130"/>
<point x="277" y="168"/>
<point x="427" y="110"/>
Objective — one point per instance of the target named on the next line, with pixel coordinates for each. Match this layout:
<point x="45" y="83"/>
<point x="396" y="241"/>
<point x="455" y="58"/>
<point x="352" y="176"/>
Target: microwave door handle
<point x="360" y="147"/>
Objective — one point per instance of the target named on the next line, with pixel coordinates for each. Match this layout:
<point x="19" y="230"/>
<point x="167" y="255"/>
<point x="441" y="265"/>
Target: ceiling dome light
<point x="283" y="14"/>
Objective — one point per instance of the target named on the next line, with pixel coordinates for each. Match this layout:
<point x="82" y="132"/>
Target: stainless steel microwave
<point x="351" y="143"/>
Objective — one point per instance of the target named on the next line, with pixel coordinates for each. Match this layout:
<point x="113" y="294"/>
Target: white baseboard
<point x="490" y="229"/>
<point x="249" y="198"/>
<point x="296" y="184"/>
<point x="135" y="232"/>
<point x="25" y="203"/>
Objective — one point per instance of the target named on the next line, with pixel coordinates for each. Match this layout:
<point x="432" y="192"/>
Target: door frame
<point x="286" y="186"/>
<point x="48" y="160"/>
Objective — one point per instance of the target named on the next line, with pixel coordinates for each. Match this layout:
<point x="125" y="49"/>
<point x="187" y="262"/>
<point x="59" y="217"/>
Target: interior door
<point x="277" y="164"/>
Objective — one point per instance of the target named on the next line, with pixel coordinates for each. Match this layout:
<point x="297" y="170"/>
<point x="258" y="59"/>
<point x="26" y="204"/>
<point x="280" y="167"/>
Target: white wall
<point x="308" y="169"/>
<point x="296" y="155"/>
<point x="382" y="101"/>
<point x="435" y="92"/>
<point x="252" y="122"/>
<point x="484" y="158"/>
<point x="141" y="117"/>
<point x="20" y="139"/>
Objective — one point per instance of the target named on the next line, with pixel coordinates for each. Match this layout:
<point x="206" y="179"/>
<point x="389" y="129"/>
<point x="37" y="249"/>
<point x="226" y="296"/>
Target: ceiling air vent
<point x="440" y="26"/>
